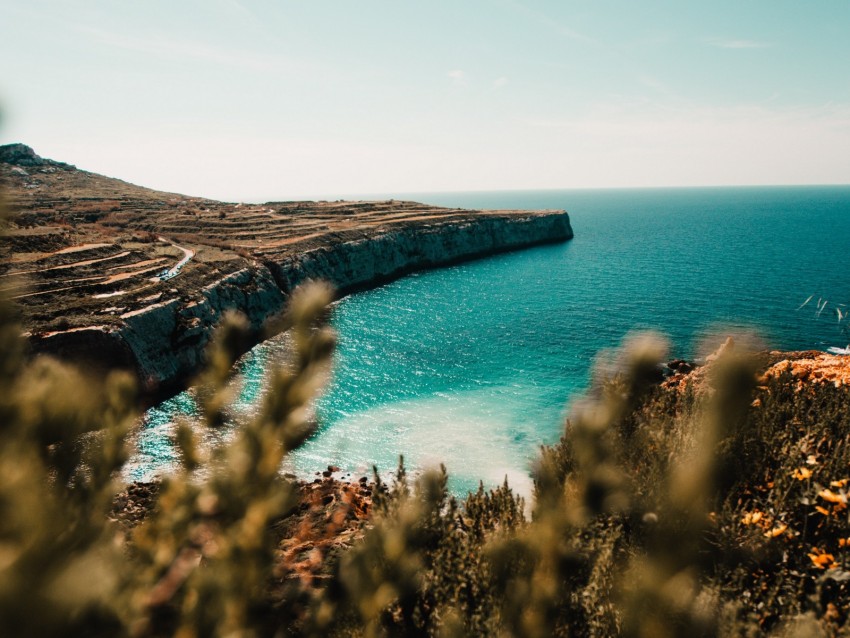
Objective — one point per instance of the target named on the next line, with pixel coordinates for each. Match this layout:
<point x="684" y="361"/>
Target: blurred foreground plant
<point x="206" y="553"/>
<point x="201" y="564"/>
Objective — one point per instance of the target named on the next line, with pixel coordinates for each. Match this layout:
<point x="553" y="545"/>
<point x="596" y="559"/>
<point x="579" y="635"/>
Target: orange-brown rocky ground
<point x="812" y="368"/>
<point x="806" y="367"/>
<point x="330" y="515"/>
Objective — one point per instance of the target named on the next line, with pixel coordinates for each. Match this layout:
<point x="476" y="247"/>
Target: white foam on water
<point x="464" y="431"/>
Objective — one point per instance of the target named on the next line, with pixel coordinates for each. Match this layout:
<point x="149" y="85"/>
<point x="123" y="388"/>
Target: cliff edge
<point x="118" y="275"/>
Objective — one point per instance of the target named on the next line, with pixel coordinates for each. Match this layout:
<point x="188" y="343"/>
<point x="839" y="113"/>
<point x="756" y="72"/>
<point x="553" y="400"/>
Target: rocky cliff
<point x="164" y="341"/>
<point x="367" y="262"/>
<point x="118" y="275"/>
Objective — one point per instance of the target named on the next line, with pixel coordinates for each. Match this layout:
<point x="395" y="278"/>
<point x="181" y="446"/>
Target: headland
<point x="120" y="276"/>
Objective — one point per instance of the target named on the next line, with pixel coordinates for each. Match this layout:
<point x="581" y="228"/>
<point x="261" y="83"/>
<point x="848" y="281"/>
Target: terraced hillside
<point x="88" y="253"/>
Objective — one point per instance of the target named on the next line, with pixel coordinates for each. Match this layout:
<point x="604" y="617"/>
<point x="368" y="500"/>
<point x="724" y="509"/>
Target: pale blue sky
<point x="277" y="99"/>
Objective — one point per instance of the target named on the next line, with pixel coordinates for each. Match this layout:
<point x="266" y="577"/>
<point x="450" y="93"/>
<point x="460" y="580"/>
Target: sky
<point x="254" y="100"/>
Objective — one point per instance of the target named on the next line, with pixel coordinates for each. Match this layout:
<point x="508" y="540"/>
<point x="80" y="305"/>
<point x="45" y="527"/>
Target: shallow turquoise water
<point x="474" y="365"/>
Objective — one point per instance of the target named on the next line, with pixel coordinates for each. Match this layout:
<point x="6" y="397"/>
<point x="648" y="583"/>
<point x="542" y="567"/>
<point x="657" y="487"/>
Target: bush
<point x="201" y="563"/>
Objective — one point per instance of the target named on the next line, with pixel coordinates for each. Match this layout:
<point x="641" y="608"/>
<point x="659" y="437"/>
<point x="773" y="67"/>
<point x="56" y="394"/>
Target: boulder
<point x="19" y="155"/>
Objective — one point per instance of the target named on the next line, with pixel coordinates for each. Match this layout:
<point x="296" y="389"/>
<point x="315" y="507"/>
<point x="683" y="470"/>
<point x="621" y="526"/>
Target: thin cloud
<point x="652" y="82"/>
<point x="498" y="83"/>
<point x="554" y="25"/>
<point x="738" y="44"/>
<point x="457" y="76"/>
<point x="181" y="48"/>
<point x="651" y="121"/>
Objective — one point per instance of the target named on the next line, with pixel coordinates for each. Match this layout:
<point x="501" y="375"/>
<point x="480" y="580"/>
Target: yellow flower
<point x="802" y="473"/>
<point x="832" y="497"/>
<point x="776" y="531"/>
<point x="821" y="559"/>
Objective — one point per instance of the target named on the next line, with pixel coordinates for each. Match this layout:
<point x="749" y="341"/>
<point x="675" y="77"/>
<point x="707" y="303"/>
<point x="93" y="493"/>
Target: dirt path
<point x="176" y="268"/>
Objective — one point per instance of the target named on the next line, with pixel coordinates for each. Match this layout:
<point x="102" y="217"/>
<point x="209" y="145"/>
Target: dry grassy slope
<point x="85" y="250"/>
<point x="83" y="247"/>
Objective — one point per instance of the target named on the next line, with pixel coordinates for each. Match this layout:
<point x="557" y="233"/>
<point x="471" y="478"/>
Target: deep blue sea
<point x="475" y="365"/>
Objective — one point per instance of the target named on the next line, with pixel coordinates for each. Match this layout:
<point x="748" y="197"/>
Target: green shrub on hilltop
<point x="720" y="509"/>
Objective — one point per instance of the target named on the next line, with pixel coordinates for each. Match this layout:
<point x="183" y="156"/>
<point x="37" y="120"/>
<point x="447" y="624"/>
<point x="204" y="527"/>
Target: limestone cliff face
<point x="167" y="339"/>
<point x="164" y="342"/>
<point x="357" y="264"/>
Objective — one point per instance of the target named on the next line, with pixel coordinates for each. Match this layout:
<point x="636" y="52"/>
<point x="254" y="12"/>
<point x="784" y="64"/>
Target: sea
<point x="475" y="366"/>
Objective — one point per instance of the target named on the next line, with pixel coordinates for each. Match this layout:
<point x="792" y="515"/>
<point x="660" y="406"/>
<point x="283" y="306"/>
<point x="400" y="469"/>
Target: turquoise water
<point x="474" y="365"/>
